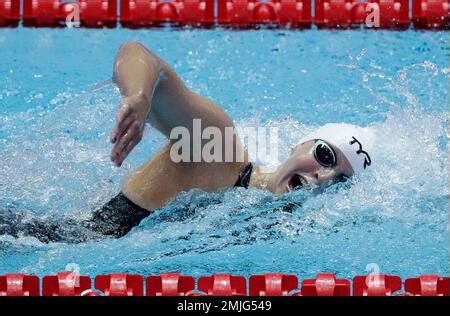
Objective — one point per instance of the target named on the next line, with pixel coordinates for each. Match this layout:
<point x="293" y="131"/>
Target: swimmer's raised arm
<point x="153" y="92"/>
<point x="136" y="73"/>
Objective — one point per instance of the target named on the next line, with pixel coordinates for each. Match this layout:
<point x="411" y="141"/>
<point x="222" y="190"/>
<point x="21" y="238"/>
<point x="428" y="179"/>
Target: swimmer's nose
<point x="322" y="176"/>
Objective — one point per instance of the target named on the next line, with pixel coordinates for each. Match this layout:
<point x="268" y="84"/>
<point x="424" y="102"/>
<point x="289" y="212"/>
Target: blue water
<point x="57" y="108"/>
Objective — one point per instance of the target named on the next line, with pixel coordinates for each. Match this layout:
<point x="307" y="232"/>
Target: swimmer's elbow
<point x="129" y="47"/>
<point x="132" y="55"/>
<point x="136" y="49"/>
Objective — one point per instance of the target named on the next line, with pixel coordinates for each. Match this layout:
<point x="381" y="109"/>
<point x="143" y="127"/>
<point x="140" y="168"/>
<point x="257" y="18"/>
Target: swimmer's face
<point x="310" y="164"/>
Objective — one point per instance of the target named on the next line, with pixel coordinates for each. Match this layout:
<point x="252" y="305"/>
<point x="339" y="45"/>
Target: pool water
<point x="57" y="107"/>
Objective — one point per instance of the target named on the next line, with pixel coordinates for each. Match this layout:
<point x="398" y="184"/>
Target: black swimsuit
<point x="244" y="176"/>
<point x="116" y="218"/>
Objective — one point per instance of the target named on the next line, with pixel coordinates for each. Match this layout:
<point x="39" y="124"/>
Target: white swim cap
<point x="354" y="141"/>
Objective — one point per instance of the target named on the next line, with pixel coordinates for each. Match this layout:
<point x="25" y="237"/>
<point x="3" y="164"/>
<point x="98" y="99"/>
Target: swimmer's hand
<point x="136" y="72"/>
<point x="129" y="128"/>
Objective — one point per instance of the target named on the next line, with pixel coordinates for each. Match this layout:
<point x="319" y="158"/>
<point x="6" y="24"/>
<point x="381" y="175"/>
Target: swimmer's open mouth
<point x="296" y="182"/>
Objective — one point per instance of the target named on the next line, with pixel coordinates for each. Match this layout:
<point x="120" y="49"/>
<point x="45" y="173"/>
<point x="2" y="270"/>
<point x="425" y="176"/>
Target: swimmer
<point x="153" y="93"/>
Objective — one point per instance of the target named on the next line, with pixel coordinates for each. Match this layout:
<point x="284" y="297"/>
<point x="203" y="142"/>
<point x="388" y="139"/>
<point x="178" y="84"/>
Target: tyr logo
<point x="367" y="160"/>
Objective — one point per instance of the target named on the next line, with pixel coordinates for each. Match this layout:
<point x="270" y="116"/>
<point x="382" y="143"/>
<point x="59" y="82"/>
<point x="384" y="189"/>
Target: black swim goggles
<point x="324" y="153"/>
<point x="326" y="156"/>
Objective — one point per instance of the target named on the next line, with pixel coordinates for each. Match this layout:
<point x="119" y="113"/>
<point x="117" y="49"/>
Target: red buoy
<point x="9" y="13"/>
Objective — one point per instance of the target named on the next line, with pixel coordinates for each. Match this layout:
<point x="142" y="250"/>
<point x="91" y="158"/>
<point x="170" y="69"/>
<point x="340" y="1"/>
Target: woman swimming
<point x="152" y="92"/>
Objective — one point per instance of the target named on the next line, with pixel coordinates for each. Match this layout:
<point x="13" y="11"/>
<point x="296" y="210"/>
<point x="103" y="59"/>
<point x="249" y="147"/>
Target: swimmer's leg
<point x="9" y="222"/>
<point x="117" y="217"/>
<point x="18" y="223"/>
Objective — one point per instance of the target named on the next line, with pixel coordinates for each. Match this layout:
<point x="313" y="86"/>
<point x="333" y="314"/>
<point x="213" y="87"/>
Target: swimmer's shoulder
<point x="160" y="179"/>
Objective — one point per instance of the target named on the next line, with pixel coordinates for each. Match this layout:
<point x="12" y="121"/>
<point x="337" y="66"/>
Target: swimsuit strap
<point x="244" y="176"/>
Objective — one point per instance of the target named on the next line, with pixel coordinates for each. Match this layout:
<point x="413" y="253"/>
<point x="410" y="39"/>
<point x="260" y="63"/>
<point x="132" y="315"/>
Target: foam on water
<point x="56" y="163"/>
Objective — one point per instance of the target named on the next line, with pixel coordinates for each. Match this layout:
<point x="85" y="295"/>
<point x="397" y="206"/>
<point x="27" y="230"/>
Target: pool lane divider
<point x="336" y="14"/>
<point x="175" y="284"/>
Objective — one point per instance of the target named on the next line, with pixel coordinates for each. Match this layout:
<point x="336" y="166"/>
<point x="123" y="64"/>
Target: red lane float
<point x="120" y="284"/>
<point x="89" y="13"/>
<point x="223" y="285"/>
<point x="16" y="284"/>
<point x="326" y="284"/>
<point x="136" y="13"/>
<point x="169" y="284"/>
<point x="65" y="284"/>
<point x="372" y="13"/>
<point x="376" y="285"/>
<point x="9" y="12"/>
<point x="273" y="284"/>
<point x="428" y="285"/>
<point x="294" y="13"/>
<point x="174" y="284"/>
<point x="431" y="14"/>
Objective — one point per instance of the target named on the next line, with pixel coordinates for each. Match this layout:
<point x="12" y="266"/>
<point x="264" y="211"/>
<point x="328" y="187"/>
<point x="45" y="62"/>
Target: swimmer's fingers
<point x="130" y="147"/>
<point x="121" y="128"/>
<point x="122" y="115"/>
<point x="129" y="128"/>
<point x="126" y="150"/>
<point x="126" y="143"/>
